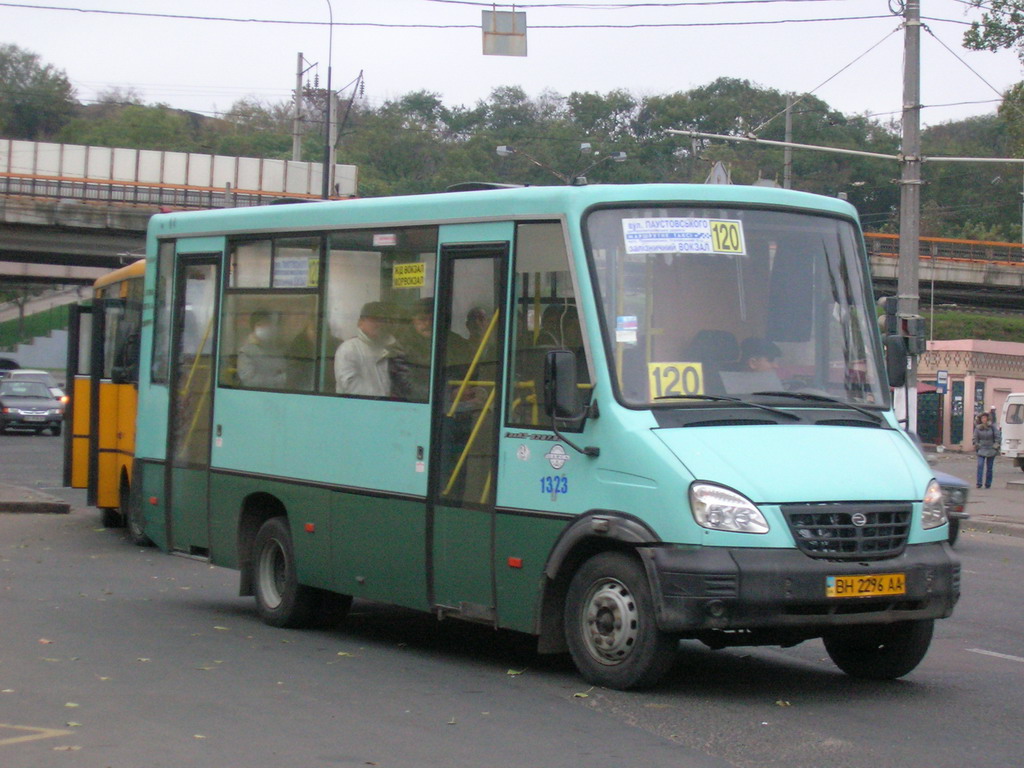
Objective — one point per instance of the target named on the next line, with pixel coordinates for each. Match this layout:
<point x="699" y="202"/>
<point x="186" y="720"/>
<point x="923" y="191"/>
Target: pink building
<point x="978" y="374"/>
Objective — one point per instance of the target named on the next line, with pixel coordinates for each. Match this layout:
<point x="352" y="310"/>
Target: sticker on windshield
<point x="669" y="380"/>
<point x="683" y="235"/>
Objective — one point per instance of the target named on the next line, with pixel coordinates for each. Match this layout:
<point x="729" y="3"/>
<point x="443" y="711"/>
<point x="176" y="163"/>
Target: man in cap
<point x="361" y="363"/>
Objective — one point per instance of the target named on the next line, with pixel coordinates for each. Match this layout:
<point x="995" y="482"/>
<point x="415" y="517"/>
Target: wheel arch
<point x="596" y="531"/>
<point x="256" y="509"/>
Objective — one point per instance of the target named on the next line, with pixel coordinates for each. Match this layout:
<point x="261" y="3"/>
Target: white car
<point x="30" y="374"/>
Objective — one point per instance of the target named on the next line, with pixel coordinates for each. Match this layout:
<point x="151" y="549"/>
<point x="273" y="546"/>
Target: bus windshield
<point x="734" y="303"/>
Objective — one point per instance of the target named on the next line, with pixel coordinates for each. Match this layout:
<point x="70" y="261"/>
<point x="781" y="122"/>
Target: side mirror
<point x="562" y="397"/>
<point x="896" y="360"/>
<point x="561" y="390"/>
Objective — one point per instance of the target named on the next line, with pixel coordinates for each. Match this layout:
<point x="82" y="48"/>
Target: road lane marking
<point x="1006" y="656"/>
<point x="34" y="735"/>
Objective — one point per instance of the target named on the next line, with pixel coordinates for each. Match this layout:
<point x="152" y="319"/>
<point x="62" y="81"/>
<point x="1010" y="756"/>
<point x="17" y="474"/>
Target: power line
<point x="475" y="27"/>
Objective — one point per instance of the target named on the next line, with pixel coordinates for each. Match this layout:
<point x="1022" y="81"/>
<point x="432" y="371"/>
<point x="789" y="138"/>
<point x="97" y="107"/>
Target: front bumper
<point x="705" y="589"/>
<point x="19" y="421"/>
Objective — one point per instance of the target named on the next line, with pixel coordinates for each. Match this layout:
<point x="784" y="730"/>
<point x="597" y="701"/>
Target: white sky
<point x="207" y="65"/>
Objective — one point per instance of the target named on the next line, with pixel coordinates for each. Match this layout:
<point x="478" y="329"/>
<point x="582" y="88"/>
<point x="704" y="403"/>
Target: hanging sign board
<point x="504" y="33"/>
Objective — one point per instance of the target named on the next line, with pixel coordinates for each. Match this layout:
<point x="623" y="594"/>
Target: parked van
<point x="1013" y="428"/>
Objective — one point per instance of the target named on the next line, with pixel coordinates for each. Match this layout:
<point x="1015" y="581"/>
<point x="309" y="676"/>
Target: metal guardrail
<point x="138" y="193"/>
<point x="951" y="249"/>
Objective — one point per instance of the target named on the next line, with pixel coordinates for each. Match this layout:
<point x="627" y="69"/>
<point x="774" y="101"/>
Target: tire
<point x="280" y="600"/>
<point x="882" y="652"/>
<point x="954" y="530"/>
<point x="55" y="431"/>
<point x="111" y="518"/>
<point x="133" y="523"/>
<point x="610" y="625"/>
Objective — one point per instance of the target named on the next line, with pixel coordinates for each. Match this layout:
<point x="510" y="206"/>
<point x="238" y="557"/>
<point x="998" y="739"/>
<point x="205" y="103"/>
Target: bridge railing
<point x="158" y="177"/>
<point x="138" y="193"/>
<point x="945" y="248"/>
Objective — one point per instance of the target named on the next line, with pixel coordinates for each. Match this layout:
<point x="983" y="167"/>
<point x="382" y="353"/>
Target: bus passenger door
<point x="464" y="433"/>
<point x="191" y="403"/>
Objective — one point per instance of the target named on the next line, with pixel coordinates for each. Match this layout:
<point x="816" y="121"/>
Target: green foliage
<point x="136" y="127"/>
<point x="19" y="331"/>
<point x="1001" y="26"/>
<point x="964" y="325"/>
<point x="35" y="99"/>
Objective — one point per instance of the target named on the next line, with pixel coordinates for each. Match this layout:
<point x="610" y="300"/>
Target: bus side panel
<point x="151" y="502"/>
<point x="307" y="508"/>
<point x="380" y="549"/>
<point x="127" y="405"/>
<point x="80" y="430"/>
<point x="108" y="481"/>
<point x="522" y="546"/>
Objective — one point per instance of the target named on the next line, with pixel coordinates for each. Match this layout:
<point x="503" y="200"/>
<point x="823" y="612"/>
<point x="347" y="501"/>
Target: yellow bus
<point x="103" y="372"/>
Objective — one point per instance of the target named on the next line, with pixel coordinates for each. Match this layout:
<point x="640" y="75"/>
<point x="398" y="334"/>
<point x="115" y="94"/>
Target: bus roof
<point x="481" y="205"/>
<point x="135" y="269"/>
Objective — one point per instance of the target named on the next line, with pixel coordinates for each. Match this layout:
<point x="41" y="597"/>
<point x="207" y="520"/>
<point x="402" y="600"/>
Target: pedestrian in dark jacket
<point x="986" y="443"/>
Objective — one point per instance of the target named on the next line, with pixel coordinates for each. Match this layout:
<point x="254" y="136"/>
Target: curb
<point x="980" y="525"/>
<point x="19" y="500"/>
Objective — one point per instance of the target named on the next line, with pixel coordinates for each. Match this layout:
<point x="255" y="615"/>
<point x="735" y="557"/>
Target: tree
<point x="1001" y="26"/>
<point x="36" y="99"/>
<point x="137" y="127"/>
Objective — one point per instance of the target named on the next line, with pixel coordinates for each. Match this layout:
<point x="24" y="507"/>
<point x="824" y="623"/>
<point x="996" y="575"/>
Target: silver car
<point x="29" y="405"/>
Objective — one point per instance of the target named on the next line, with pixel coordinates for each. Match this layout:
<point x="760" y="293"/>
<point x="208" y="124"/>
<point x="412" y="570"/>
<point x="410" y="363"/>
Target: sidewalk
<point x="999" y="509"/>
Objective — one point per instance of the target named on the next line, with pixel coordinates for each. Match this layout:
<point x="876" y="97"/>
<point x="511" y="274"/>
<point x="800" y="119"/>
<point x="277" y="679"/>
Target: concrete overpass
<point x="69" y="213"/>
<point x="68" y="241"/>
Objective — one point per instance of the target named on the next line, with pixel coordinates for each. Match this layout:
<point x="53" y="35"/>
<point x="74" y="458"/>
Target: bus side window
<point x="378" y="313"/>
<point x="270" y="315"/>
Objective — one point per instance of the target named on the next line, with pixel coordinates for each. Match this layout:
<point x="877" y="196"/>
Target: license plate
<point x="34" y="418"/>
<point x="879" y="584"/>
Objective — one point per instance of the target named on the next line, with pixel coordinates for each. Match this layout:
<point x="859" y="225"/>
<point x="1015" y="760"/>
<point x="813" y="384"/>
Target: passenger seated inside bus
<point x="361" y="363"/>
<point x="261" y="359"/>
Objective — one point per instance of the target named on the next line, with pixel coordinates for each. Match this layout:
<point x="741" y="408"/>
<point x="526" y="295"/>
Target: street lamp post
<point x="328" y="149"/>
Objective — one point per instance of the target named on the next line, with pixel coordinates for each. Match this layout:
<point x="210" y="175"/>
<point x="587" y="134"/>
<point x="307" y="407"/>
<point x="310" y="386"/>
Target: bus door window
<point x="196" y="329"/>
<point x="160" y="366"/>
<point x="470" y="374"/>
<point x="546" y="318"/>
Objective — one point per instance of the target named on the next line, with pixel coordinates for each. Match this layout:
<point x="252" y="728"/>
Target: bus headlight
<point x="720" y="509"/>
<point x="933" y="511"/>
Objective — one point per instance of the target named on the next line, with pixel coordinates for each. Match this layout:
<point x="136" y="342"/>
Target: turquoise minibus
<point x="613" y="417"/>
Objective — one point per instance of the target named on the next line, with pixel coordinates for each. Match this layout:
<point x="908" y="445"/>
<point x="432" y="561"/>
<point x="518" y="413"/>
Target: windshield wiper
<point x="723" y="399"/>
<point x="823" y="399"/>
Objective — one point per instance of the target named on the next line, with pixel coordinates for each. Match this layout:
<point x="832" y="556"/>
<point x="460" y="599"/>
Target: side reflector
<point x="515" y="562"/>
<point x="310" y="528"/>
<point x="153" y="500"/>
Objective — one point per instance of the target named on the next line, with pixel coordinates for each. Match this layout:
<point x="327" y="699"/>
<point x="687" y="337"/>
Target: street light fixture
<point x="575" y="178"/>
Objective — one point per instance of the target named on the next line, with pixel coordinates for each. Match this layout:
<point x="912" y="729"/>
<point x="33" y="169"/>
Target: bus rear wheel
<point x="280" y="600"/>
<point x="882" y="652"/>
<point x="610" y="625"/>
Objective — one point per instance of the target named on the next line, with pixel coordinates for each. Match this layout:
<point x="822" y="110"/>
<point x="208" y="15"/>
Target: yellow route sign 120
<point x="667" y="380"/>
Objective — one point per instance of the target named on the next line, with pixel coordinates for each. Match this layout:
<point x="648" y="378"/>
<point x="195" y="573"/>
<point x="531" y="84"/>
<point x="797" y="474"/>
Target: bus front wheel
<point x="280" y="600"/>
<point x="882" y="652"/>
<point x="610" y="625"/>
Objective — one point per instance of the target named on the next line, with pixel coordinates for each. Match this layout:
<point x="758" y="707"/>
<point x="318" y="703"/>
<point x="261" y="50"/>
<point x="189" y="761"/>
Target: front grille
<point x="849" y="531"/>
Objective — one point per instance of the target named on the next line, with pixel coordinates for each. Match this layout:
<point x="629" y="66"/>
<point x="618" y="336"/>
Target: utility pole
<point x="907" y="288"/>
<point x="787" y="153"/>
<point x="297" y="112"/>
<point x="328" y="168"/>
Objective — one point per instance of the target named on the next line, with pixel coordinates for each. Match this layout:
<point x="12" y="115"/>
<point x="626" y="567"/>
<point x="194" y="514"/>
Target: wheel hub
<point x="610" y="622"/>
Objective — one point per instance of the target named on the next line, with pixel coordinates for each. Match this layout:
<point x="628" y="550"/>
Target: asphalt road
<point x="112" y="655"/>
